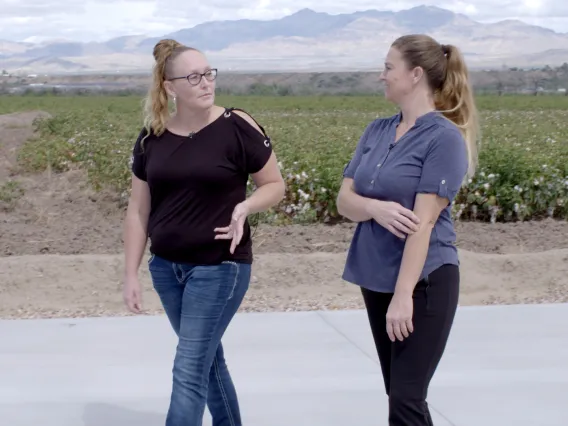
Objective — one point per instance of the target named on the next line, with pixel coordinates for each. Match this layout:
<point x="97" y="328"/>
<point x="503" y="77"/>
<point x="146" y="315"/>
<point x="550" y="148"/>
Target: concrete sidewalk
<point x="504" y="365"/>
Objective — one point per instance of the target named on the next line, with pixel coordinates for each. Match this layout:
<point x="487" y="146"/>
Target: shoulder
<point x="380" y="123"/>
<point x="248" y="118"/>
<point x="244" y="121"/>
<point x="446" y="145"/>
<point x="446" y="135"/>
<point x="144" y="134"/>
<point x="443" y="127"/>
<point x="140" y="140"/>
<point x="144" y="140"/>
<point x="375" y="128"/>
<point x="441" y="131"/>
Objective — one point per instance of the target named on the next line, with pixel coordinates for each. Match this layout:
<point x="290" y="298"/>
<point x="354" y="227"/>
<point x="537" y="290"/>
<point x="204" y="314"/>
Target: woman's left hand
<point x="235" y="229"/>
<point x="399" y="317"/>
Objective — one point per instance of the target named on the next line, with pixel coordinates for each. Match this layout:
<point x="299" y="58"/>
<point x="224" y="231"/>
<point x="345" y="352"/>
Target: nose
<point x="204" y="83"/>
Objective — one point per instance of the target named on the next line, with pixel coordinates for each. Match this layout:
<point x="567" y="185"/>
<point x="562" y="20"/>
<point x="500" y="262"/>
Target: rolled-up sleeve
<point x="351" y="167"/>
<point x="445" y="165"/>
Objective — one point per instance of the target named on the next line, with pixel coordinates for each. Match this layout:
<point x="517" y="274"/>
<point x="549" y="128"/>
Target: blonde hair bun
<point x="164" y="49"/>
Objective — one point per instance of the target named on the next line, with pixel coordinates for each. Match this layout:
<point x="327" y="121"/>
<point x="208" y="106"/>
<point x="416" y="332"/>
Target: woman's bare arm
<point x="351" y="205"/>
<point x="135" y="226"/>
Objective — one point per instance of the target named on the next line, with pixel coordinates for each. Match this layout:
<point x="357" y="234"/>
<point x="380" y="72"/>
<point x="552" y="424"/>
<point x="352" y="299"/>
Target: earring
<point x="174" y="99"/>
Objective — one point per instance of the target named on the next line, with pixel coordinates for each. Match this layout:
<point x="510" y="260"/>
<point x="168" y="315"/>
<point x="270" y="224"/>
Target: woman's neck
<point x="188" y="121"/>
<point x="415" y="106"/>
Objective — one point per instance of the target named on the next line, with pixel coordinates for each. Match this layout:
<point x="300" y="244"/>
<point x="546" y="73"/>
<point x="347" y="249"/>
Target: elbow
<point x="137" y="212"/>
<point x="426" y="226"/>
<point x="350" y="208"/>
<point x="342" y="201"/>
<point x="340" y="205"/>
<point x="144" y="215"/>
<point x="424" y="231"/>
<point x="131" y="210"/>
<point x="343" y="207"/>
<point x="281" y="190"/>
<point x="277" y="191"/>
<point x="272" y="193"/>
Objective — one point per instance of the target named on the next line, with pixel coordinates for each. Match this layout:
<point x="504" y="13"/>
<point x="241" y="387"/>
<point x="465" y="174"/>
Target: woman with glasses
<point x="190" y="173"/>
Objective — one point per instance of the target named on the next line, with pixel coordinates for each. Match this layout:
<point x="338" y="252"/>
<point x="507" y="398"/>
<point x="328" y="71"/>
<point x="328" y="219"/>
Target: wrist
<point x="403" y="291"/>
<point x="128" y="273"/>
<point x="247" y="207"/>
<point x="371" y="206"/>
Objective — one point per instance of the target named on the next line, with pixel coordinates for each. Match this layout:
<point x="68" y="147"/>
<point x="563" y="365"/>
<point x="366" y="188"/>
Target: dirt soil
<point x="60" y="248"/>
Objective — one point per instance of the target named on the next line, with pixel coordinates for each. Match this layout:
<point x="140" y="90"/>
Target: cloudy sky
<point x="97" y="20"/>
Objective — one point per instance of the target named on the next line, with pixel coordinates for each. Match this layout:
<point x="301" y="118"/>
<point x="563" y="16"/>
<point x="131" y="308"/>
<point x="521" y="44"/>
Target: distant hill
<point x="304" y="41"/>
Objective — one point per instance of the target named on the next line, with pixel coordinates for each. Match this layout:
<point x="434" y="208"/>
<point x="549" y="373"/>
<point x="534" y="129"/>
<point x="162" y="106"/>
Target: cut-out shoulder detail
<point x="249" y="119"/>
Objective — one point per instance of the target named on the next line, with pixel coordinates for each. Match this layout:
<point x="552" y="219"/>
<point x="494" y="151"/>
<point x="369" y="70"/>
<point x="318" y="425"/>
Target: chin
<point x="204" y="102"/>
<point x="207" y="100"/>
<point x="391" y="97"/>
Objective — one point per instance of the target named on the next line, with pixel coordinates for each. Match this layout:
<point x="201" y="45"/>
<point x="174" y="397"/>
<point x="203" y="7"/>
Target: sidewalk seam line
<point x="320" y="314"/>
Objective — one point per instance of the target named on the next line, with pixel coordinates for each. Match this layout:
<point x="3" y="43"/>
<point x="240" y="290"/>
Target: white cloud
<point x="99" y="20"/>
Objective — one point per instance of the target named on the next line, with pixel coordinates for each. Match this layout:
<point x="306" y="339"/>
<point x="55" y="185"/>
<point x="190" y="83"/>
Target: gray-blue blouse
<point x="430" y="158"/>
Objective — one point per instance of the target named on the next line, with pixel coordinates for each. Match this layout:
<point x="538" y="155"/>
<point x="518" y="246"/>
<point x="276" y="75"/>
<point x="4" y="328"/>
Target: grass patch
<point x="10" y="192"/>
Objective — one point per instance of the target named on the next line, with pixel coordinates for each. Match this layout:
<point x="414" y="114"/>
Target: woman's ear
<point x="169" y="89"/>
<point x="417" y="74"/>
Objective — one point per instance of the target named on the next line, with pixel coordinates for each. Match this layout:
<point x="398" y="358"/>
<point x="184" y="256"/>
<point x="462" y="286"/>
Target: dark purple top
<point x="430" y="158"/>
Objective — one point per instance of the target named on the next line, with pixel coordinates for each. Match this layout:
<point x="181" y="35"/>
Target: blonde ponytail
<point x="156" y="107"/>
<point x="448" y="78"/>
<point x="456" y="101"/>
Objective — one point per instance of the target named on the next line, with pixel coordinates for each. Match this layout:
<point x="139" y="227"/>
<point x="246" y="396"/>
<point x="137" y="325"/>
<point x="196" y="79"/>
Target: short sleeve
<point x="445" y="165"/>
<point x="256" y="146"/>
<point x="138" y="159"/>
<point x="351" y="167"/>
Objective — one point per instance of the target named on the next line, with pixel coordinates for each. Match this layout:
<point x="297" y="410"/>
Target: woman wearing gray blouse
<point x="399" y="186"/>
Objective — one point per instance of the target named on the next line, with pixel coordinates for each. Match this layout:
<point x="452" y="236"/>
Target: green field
<point x="523" y="172"/>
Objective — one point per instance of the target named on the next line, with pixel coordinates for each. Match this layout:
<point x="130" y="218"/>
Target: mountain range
<point x="304" y="41"/>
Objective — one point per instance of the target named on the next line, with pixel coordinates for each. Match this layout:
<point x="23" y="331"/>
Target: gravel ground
<point x="60" y="245"/>
<point x="47" y="286"/>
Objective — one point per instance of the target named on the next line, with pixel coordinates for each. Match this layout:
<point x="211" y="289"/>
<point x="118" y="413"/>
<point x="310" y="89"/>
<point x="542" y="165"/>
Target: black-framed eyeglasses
<point x="195" y="78"/>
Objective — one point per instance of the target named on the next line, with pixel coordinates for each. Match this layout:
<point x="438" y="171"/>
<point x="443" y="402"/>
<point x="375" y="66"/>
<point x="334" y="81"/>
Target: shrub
<point x="523" y="172"/>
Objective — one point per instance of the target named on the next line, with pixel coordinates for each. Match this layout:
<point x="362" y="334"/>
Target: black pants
<point x="408" y="366"/>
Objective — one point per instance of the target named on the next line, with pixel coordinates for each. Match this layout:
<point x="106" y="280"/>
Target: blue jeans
<point x="200" y="302"/>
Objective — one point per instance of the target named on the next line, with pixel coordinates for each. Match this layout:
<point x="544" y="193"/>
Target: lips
<point x="205" y="94"/>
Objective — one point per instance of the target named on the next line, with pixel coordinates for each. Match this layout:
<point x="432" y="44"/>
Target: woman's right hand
<point x="132" y="294"/>
<point x="393" y="217"/>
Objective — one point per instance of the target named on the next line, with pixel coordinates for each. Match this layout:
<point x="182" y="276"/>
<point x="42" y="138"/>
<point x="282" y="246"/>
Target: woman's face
<point x="197" y="91"/>
<point x="399" y="81"/>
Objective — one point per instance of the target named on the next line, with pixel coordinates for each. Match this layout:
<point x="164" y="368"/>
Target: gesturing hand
<point x="235" y="229"/>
